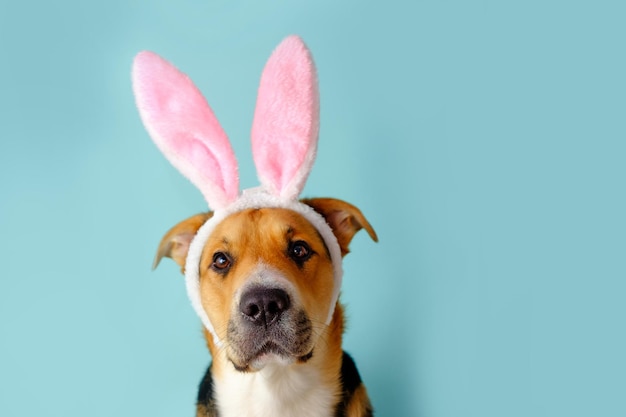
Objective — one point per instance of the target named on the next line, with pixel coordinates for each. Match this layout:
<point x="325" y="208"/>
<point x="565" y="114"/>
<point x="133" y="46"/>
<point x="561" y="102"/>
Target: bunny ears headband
<point x="284" y="143"/>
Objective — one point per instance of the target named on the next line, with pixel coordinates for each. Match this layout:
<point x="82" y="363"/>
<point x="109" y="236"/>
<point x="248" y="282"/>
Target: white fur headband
<point x="284" y="144"/>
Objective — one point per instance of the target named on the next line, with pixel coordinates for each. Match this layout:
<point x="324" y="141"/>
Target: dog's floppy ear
<point x="344" y="218"/>
<point x="175" y="243"/>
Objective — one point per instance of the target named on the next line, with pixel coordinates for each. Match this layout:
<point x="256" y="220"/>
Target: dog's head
<point x="266" y="278"/>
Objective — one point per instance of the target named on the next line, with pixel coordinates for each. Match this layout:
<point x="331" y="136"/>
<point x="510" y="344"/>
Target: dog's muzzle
<point x="266" y="328"/>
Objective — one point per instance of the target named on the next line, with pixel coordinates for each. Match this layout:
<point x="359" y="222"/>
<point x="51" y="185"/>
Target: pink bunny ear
<point x="184" y="128"/>
<point x="286" y="119"/>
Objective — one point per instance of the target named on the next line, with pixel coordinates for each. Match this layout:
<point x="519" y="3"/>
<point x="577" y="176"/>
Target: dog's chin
<point x="272" y="359"/>
<point x="270" y="354"/>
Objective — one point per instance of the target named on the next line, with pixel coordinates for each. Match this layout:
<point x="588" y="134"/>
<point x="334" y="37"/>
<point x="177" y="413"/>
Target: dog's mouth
<point x="252" y="348"/>
<point x="269" y="352"/>
<point x="271" y="347"/>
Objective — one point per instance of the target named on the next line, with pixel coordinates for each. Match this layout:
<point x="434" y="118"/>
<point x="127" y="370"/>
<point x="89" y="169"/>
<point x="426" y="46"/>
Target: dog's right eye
<point x="221" y="262"/>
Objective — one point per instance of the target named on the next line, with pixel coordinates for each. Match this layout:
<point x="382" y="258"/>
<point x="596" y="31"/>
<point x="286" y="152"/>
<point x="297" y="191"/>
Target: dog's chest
<point x="275" y="392"/>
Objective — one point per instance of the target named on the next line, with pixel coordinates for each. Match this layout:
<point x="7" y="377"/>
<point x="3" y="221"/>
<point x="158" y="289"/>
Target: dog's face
<point x="266" y="283"/>
<point x="266" y="278"/>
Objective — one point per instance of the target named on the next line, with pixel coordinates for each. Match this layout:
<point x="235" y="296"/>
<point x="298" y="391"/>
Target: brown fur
<point x="359" y="405"/>
<point x="175" y="243"/>
<point x="344" y="218"/>
<point x="203" y="411"/>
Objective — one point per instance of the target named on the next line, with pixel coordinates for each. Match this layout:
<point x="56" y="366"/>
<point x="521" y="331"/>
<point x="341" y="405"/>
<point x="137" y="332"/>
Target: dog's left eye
<point x="299" y="251"/>
<point x="221" y="262"/>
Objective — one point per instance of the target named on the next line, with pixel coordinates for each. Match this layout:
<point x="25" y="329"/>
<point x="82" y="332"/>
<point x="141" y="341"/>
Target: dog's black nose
<point x="263" y="306"/>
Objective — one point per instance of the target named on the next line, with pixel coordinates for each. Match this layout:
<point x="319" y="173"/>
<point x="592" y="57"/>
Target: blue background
<point x="484" y="140"/>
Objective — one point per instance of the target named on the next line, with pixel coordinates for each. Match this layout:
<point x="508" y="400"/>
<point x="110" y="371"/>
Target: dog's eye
<point x="221" y="262"/>
<point x="299" y="251"/>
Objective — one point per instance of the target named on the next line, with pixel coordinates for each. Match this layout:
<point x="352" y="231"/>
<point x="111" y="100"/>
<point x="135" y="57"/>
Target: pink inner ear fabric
<point x="286" y="119"/>
<point x="184" y="128"/>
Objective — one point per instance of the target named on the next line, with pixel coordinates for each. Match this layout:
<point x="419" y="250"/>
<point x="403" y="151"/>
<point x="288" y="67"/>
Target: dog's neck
<point x="304" y="389"/>
<point x="276" y="391"/>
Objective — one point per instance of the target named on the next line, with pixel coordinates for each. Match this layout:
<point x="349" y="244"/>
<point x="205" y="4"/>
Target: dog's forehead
<point x="259" y="224"/>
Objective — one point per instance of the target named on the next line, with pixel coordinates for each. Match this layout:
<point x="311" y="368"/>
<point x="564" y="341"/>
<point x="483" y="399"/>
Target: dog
<point x="264" y="275"/>
<point x="263" y="269"/>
